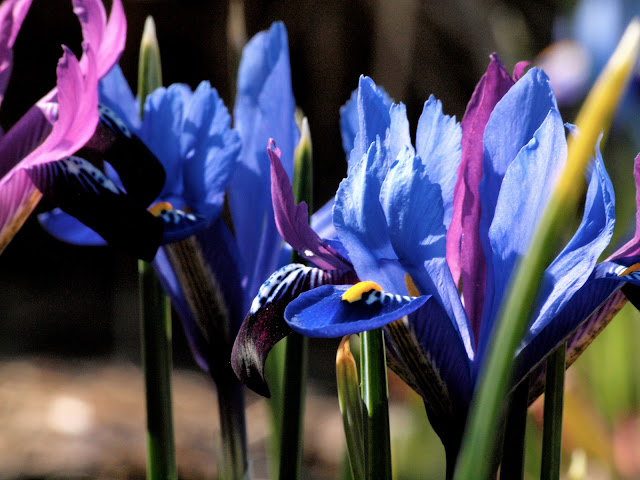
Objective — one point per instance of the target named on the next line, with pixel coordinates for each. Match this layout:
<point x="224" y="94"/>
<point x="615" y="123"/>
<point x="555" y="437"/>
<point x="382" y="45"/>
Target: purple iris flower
<point x="457" y="210"/>
<point x="63" y="120"/>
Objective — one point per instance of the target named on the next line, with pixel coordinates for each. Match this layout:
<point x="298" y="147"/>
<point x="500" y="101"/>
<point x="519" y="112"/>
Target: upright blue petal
<point x="349" y="122"/>
<point x="361" y="223"/>
<point x="163" y="115"/>
<point x="438" y="143"/>
<point x="264" y="109"/>
<point x="412" y="205"/>
<point x="573" y="266"/>
<point x="114" y="92"/>
<point x="209" y="151"/>
<point x="519" y="208"/>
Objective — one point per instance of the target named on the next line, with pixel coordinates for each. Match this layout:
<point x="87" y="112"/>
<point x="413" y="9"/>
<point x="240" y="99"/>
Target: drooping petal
<point x="209" y="150"/>
<point x="584" y="316"/>
<point x="138" y="171"/>
<point x="322" y="312"/>
<point x="264" y="109"/>
<point x="361" y="224"/>
<point x="464" y="249"/>
<point x="265" y="325"/>
<point x="412" y="205"/>
<point x="215" y="248"/>
<point x="12" y="14"/>
<point x="518" y="210"/>
<point x="293" y="220"/>
<point x="69" y="229"/>
<point x="81" y="190"/>
<point x="438" y="145"/>
<point x="573" y="266"/>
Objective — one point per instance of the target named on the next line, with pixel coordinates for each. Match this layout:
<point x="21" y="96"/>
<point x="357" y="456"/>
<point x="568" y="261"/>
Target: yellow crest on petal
<point x="356" y="292"/>
<point x="159" y="208"/>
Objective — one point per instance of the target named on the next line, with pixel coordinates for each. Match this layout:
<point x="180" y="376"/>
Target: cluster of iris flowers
<point x="423" y="239"/>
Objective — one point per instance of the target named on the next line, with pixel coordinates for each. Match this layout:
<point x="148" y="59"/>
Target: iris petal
<point x="264" y="326"/>
<point x="322" y="312"/>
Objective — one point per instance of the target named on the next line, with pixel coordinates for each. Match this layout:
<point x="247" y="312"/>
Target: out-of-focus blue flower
<point x="402" y="216"/>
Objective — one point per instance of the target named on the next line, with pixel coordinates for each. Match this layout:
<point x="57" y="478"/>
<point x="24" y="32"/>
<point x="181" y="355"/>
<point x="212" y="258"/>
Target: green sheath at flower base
<point x="149" y="66"/>
<point x="515" y="313"/>
<point x="351" y="407"/>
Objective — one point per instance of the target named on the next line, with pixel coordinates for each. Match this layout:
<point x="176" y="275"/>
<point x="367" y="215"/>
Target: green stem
<point x="553" y="402"/>
<point x="155" y="333"/>
<point x="512" y="466"/>
<point x="293" y="406"/>
<point x="375" y="399"/>
<point x="233" y="430"/>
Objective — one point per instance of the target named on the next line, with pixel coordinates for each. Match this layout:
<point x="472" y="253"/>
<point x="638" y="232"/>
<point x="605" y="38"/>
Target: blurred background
<point x="70" y="384"/>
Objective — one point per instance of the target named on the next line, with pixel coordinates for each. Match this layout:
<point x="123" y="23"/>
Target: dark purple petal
<point x="293" y="220"/>
<point x="464" y="249"/>
<point x="265" y="326"/>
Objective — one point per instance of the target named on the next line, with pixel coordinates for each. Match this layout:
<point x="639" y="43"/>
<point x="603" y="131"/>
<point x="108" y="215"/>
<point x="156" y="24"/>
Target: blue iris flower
<point x="409" y="218"/>
<point x="206" y="163"/>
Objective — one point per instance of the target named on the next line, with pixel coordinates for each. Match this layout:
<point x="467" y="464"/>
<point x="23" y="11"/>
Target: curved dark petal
<point x="141" y="173"/>
<point x="81" y="190"/>
<point x="322" y="312"/>
<point x="264" y="326"/>
<point x="293" y="220"/>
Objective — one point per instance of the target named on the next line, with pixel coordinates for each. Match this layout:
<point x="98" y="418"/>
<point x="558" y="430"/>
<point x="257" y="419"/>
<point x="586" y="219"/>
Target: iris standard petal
<point x="412" y="206"/>
<point x="464" y="248"/>
<point x="115" y="93"/>
<point x="164" y="111"/>
<point x="264" y="326"/>
<point x="438" y="145"/>
<point x="209" y="150"/>
<point x="264" y="108"/>
<point x="361" y="224"/>
<point x="349" y="122"/>
<point x="518" y="211"/>
<point x="322" y="220"/>
<point x="373" y="119"/>
<point x="322" y="312"/>
<point x="293" y="220"/>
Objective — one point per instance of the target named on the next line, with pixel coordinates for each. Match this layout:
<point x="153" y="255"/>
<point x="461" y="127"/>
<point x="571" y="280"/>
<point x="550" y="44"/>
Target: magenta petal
<point x="293" y="220"/>
<point x="77" y="117"/>
<point x="12" y="13"/>
<point x="464" y="249"/>
<point x="106" y="39"/>
<point x="632" y="247"/>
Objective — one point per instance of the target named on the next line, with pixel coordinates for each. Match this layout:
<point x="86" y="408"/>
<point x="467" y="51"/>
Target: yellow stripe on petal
<point x="159" y="208"/>
<point x="411" y="286"/>
<point x="356" y="292"/>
